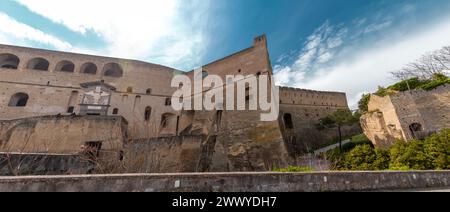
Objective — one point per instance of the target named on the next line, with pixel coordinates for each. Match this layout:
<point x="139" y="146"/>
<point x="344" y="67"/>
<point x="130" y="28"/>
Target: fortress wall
<point x="381" y="123"/>
<point x="305" y="136"/>
<point x="164" y="155"/>
<point x="240" y="136"/>
<point x="390" y="118"/>
<point x="429" y="108"/>
<point x="244" y="142"/>
<point x="306" y="108"/>
<point x="51" y="90"/>
<point x="136" y="74"/>
<point x="62" y="134"/>
<point x="321" y="99"/>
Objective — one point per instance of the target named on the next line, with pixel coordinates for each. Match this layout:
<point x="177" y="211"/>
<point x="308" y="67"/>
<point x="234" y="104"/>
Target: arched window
<point x="18" y="100"/>
<point x="112" y="70"/>
<point x="148" y="91"/>
<point x="288" y="124"/>
<point x="65" y="66"/>
<point x="9" y="61"/>
<point x="148" y="113"/>
<point x="89" y="68"/>
<point x="39" y="64"/>
<point x="115" y="111"/>
<point x="168" y="101"/>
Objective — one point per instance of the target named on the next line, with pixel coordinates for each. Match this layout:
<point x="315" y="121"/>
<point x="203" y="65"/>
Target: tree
<point x="437" y="62"/>
<point x="339" y="118"/>
<point x="363" y="104"/>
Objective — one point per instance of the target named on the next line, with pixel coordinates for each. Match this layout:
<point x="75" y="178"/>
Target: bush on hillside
<point x="433" y="153"/>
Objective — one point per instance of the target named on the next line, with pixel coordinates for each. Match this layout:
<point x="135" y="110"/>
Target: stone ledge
<point x="231" y="182"/>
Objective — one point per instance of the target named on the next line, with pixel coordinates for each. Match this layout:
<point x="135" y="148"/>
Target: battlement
<point x="297" y="96"/>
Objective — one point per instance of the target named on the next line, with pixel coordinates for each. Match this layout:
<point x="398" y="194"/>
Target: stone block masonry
<point x="230" y="182"/>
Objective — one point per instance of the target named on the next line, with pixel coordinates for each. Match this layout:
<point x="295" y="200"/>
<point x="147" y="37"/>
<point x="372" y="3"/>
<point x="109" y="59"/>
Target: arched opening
<point x="39" y="64"/>
<point x="415" y="127"/>
<point x="70" y="109"/>
<point x="73" y="101"/>
<point x="89" y="68"/>
<point x="416" y="130"/>
<point x="9" y="61"/>
<point x="148" y="91"/>
<point x="65" y="66"/>
<point x="115" y="111"/>
<point x="287" y="119"/>
<point x="148" y="113"/>
<point x="165" y="119"/>
<point x="18" y="100"/>
<point x="112" y="70"/>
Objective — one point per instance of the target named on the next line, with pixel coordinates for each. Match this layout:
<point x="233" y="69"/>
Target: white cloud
<point x="364" y="69"/>
<point x="318" y="49"/>
<point x="21" y="32"/>
<point x="164" y="31"/>
<point x="377" y="26"/>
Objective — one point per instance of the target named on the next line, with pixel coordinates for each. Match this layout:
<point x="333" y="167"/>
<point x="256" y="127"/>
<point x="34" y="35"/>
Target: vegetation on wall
<point x="435" y="81"/>
<point x="438" y="79"/>
<point x="433" y="153"/>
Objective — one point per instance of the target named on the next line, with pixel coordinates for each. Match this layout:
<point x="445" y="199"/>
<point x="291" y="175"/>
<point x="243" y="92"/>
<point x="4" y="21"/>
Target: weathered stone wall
<point x="431" y="109"/>
<point x="231" y="182"/>
<point x="43" y="164"/>
<point x="164" y="155"/>
<point x="202" y="154"/>
<point x="62" y="134"/>
<point x="242" y="142"/>
<point x="390" y="118"/>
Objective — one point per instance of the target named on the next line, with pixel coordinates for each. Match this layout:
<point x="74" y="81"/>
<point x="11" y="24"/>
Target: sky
<point x="349" y="46"/>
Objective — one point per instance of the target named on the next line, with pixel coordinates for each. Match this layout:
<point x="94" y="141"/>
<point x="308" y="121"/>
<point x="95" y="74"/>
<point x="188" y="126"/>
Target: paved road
<point x="328" y="148"/>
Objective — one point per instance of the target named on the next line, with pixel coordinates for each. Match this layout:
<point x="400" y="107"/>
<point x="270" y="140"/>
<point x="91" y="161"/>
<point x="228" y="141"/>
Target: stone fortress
<point x="407" y="115"/>
<point x="65" y="103"/>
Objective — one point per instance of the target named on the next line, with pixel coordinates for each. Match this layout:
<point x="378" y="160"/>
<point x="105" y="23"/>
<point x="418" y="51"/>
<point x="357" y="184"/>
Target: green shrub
<point x="437" y="150"/>
<point x="410" y="155"/>
<point x="365" y="157"/>
<point x="412" y="83"/>
<point x="433" y="153"/>
<point x="403" y="85"/>
<point x="430" y="154"/>
<point x="382" y="91"/>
